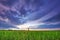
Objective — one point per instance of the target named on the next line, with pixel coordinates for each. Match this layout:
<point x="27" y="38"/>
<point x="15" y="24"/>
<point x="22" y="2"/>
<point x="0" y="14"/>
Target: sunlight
<point x="29" y="25"/>
<point x="23" y="26"/>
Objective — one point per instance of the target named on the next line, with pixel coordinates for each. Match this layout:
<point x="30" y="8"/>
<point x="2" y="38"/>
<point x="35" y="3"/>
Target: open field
<point x="29" y="35"/>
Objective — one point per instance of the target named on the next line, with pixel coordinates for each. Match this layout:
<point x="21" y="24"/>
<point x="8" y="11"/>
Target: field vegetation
<point x="29" y="35"/>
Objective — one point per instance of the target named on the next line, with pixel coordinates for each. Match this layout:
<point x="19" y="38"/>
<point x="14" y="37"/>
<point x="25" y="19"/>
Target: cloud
<point x="32" y="12"/>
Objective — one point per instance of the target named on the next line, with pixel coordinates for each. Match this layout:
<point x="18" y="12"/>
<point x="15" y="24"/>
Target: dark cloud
<point x="5" y="25"/>
<point x="8" y="2"/>
<point x="49" y="26"/>
<point x="54" y="19"/>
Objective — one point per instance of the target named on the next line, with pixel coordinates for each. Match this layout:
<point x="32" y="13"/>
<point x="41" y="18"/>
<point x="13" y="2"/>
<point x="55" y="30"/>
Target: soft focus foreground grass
<point x="29" y="35"/>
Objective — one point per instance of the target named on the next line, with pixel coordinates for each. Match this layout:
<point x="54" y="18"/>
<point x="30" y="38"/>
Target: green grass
<point x="29" y="35"/>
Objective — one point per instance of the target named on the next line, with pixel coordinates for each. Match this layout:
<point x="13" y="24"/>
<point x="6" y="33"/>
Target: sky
<point x="33" y="14"/>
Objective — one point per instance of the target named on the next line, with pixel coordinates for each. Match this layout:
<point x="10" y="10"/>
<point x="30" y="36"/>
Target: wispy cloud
<point x="28" y="13"/>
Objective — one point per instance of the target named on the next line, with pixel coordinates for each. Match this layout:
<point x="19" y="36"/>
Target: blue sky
<point x="29" y="14"/>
